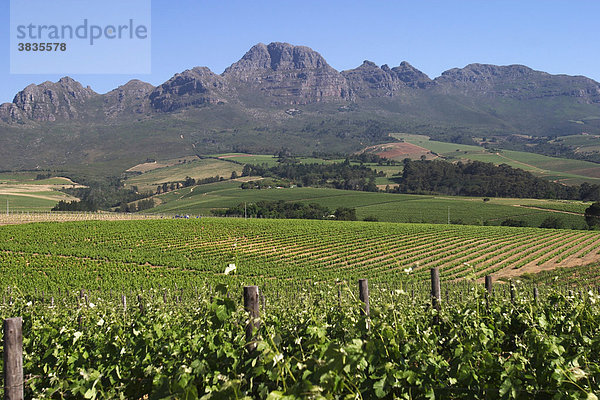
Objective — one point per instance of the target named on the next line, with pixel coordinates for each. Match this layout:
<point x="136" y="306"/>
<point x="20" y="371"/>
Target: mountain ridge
<point x="280" y="95"/>
<point x="291" y="75"/>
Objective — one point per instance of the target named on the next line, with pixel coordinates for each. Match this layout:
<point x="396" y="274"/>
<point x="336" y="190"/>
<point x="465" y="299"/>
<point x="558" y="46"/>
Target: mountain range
<point x="281" y="95"/>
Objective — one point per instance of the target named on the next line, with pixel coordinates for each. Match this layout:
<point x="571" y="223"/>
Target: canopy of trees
<point x="336" y="175"/>
<point x="592" y="215"/>
<point x="282" y="209"/>
<point x="105" y="194"/>
<point x="485" y="179"/>
<point x="75" y="206"/>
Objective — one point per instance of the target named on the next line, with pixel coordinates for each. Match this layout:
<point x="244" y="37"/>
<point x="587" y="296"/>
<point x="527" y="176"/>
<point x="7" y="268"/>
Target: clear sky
<point x="560" y="37"/>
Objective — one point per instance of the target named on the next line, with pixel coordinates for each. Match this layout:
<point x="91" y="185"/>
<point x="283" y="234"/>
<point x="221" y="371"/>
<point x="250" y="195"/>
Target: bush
<point x="552" y="223"/>
<point x="513" y="222"/>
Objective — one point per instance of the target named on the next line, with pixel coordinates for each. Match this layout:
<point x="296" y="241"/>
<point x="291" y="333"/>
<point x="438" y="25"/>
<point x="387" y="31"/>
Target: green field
<point x="25" y="193"/>
<point x="20" y="204"/>
<point x="284" y="249"/>
<point x="222" y="165"/>
<point x="197" y="169"/>
<point x="30" y="179"/>
<point x="564" y="170"/>
<point x="385" y="207"/>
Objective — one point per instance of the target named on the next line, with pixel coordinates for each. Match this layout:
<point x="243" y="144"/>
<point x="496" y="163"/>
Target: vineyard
<point x="144" y="310"/>
<point x="262" y="250"/>
<point x="27" y="217"/>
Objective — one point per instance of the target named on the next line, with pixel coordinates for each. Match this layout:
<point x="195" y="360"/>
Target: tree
<point x="513" y="222"/>
<point x="345" y="214"/>
<point x="189" y="181"/>
<point x="246" y="170"/>
<point x="234" y="175"/>
<point x="592" y="215"/>
<point x="552" y="222"/>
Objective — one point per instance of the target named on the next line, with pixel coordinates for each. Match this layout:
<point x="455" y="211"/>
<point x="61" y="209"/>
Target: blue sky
<point x="548" y="35"/>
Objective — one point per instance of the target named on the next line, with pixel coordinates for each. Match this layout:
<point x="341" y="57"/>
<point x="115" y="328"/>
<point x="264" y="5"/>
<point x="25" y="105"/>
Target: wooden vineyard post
<point x="363" y="295"/>
<point x="512" y="292"/>
<point x="488" y="289"/>
<point x="140" y="303"/>
<point x="251" y="304"/>
<point x="436" y="291"/>
<point x="488" y="285"/>
<point x="13" y="359"/>
<point x="535" y="294"/>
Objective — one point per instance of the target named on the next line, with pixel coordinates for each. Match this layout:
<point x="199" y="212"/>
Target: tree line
<point x="187" y="182"/>
<point x="284" y="210"/>
<point x="477" y="178"/>
<point x="336" y="175"/>
<point x="100" y="195"/>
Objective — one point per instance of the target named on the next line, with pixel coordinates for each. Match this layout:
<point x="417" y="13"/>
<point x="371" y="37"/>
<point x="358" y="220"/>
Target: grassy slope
<point x="385" y="206"/>
<point x="24" y="193"/>
<point x="197" y="169"/>
<point x="18" y="203"/>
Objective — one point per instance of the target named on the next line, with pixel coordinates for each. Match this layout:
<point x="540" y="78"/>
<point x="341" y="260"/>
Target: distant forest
<point x="473" y="178"/>
<point x="282" y="209"/>
<point x="337" y="175"/>
<point x="485" y="179"/>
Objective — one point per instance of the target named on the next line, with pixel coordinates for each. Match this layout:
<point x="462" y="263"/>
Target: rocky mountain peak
<point x="130" y="97"/>
<point x="198" y="86"/>
<point x="487" y="72"/>
<point x="49" y="101"/>
<point x="516" y="81"/>
<point x="287" y="74"/>
<point x="410" y="75"/>
<point x="368" y="65"/>
<point x="136" y="84"/>
<point x="276" y="56"/>
<point x="369" y="80"/>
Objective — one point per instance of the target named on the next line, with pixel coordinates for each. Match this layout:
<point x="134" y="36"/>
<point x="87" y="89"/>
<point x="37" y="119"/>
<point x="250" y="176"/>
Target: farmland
<point x="385" y="207"/>
<point x="281" y="249"/>
<point x="141" y="306"/>
<point x="127" y="309"/>
<point x="195" y="168"/>
<point x="22" y="192"/>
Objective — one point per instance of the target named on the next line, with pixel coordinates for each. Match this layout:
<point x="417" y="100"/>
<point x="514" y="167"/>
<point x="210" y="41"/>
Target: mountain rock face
<point x="516" y="81"/>
<point x="369" y="80"/>
<point x="9" y="112"/>
<point x="410" y="75"/>
<point x="131" y="97"/>
<point x="287" y="74"/>
<point x="283" y="74"/>
<point x="51" y="101"/>
<point x="198" y="86"/>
